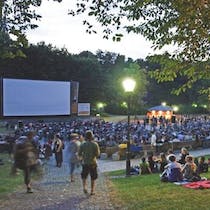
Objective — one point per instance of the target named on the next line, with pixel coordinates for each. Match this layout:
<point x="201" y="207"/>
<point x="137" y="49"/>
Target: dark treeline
<point x="98" y="76"/>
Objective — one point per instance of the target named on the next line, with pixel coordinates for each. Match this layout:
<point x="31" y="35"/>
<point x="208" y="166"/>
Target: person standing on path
<point x="58" y="150"/>
<point x="73" y="150"/>
<point x="89" y="152"/>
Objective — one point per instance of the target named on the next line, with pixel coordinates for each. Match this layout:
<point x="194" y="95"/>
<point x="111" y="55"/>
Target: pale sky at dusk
<point x="62" y="30"/>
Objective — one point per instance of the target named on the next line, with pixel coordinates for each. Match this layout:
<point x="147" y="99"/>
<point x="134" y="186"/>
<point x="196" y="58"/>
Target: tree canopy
<point x="16" y="17"/>
<point x="185" y="25"/>
<point x="182" y="23"/>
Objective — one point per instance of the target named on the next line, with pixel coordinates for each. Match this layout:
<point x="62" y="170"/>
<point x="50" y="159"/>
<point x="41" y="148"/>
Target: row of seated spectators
<point x="115" y="133"/>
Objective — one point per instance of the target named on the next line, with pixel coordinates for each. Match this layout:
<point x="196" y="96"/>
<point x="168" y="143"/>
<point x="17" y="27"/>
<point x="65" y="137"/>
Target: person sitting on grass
<point x="163" y="161"/>
<point x="152" y="163"/>
<point x="144" y="167"/>
<point x="202" y="165"/>
<point x="189" y="170"/>
<point x="172" y="172"/>
<point x="183" y="154"/>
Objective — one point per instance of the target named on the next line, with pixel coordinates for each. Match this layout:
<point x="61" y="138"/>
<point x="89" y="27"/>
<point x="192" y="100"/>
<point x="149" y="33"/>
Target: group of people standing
<point x="85" y="153"/>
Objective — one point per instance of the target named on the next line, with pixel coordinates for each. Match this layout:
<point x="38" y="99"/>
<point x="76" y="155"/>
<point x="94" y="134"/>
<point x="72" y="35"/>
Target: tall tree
<point x="164" y="22"/>
<point x="16" y="16"/>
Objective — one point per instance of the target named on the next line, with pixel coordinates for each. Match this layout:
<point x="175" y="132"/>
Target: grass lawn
<point x="148" y="193"/>
<point x="8" y="183"/>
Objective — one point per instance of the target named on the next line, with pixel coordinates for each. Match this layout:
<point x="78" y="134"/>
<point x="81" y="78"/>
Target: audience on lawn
<point x="189" y="170"/>
<point x="144" y="167"/>
<point x="202" y="165"/>
<point x="153" y="163"/>
<point x="173" y="170"/>
<point x="114" y="133"/>
<point x="163" y="162"/>
<point x="183" y="154"/>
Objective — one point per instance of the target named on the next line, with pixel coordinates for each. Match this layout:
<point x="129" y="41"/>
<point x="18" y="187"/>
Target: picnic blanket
<point x="205" y="184"/>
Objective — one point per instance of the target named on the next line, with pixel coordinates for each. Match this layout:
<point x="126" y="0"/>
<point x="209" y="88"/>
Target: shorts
<point x="89" y="169"/>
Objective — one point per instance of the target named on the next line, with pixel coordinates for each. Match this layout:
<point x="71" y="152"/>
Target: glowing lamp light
<point x="129" y="85"/>
<point x="160" y="112"/>
<point x="100" y="105"/>
<point x="175" y="108"/>
<point x="163" y="103"/>
<point x="194" y="105"/>
<point x="124" y="104"/>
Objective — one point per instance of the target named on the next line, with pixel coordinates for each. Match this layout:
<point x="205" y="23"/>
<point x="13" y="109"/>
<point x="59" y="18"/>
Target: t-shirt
<point x="89" y="151"/>
<point x="144" y="168"/>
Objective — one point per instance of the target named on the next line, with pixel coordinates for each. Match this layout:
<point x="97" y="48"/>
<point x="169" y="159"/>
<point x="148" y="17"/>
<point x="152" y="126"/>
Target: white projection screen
<point x="23" y="97"/>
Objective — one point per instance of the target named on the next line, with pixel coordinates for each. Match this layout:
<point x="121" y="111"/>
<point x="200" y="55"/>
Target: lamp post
<point x="128" y="85"/>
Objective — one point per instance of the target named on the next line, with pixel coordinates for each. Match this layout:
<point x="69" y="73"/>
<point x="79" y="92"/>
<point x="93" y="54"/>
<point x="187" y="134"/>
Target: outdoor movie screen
<point x="35" y="97"/>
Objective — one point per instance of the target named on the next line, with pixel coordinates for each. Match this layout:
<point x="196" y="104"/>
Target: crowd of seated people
<point x="184" y="169"/>
<point x="109" y="134"/>
<point x="173" y="169"/>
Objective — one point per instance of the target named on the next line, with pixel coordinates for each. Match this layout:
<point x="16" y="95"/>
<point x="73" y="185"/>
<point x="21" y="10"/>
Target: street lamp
<point x="128" y="85"/>
<point x="100" y="108"/>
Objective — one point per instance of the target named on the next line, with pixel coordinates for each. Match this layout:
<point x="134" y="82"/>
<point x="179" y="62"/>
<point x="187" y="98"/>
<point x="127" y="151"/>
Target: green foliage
<point x="170" y="69"/>
<point x="16" y="17"/>
<point x="8" y="182"/>
<point x="185" y="25"/>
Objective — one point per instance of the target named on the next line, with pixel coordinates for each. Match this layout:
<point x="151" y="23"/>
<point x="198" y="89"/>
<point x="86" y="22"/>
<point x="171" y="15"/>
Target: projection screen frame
<point x="3" y="113"/>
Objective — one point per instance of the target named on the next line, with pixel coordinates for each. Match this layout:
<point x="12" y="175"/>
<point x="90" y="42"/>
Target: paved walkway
<point x="54" y="192"/>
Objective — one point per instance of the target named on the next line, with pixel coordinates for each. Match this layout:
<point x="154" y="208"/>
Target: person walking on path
<point x="89" y="152"/>
<point x="73" y="150"/>
<point x="25" y="158"/>
<point x="58" y="150"/>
